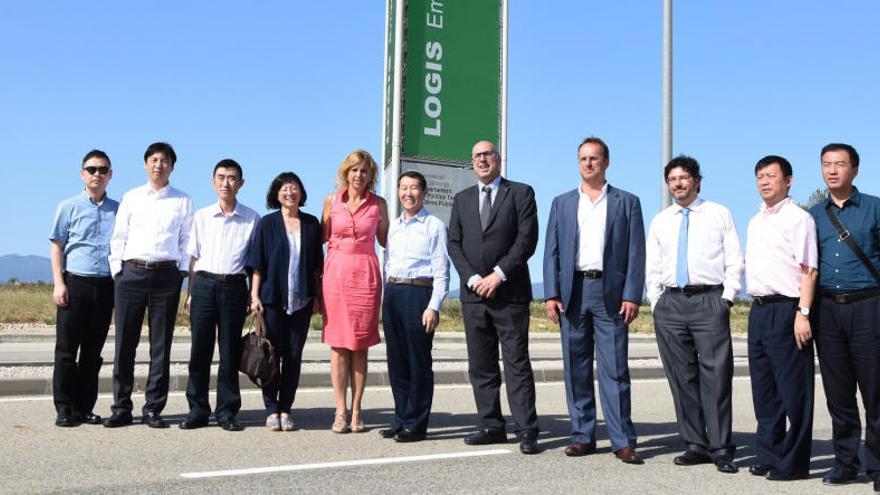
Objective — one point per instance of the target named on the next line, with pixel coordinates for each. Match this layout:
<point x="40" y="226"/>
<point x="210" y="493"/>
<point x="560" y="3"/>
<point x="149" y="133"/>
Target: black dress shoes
<point x="117" y="420"/>
<point x="840" y="476"/>
<point x="230" y="424"/>
<point x="193" y="423"/>
<point x="691" y="458"/>
<point x="578" y="449"/>
<point x="407" y="436"/>
<point x="153" y="420"/>
<point x="486" y="438"/>
<point x="724" y="464"/>
<point x="91" y="419"/>
<point x="528" y="442"/>
<point x="775" y="475"/>
<point x="65" y="419"/>
<point x="760" y="469"/>
<point x="390" y="432"/>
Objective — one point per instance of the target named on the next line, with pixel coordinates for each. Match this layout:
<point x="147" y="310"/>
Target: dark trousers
<point x="81" y="328"/>
<point x="693" y="336"/>
<point x="783" y="380"/>
<point x="848" y="341"/>
<point x="408" y="348"/>
<point x="137" y="290"/>
<point x="287" y="334"/>
<point x="488" y="323"/>
<point x="587" y="327"/>
<point x="217" y="309"/>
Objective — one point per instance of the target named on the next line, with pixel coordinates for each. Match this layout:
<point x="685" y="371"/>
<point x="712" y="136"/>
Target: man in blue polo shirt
<point x="849" y="313"/>
<point x="80" y="244"/>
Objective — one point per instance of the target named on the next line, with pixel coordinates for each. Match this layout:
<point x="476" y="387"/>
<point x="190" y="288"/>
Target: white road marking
<point x="353" y="463"/>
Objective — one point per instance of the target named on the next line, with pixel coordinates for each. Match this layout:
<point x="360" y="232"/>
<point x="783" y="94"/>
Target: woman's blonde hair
<point x="354" y="158"/>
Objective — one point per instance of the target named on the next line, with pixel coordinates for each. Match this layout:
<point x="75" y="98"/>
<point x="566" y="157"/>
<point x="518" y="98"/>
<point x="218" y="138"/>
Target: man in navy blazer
<point x="594" y="274"/>
<point x="493" y="231"/>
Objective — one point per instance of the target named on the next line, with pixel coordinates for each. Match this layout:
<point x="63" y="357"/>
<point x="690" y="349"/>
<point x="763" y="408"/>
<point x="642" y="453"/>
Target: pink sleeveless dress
<point x="352" y="283"/>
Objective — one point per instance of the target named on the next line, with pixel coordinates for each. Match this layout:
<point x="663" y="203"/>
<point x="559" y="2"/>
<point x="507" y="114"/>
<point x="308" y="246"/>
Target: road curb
<point x="14" y="386"/>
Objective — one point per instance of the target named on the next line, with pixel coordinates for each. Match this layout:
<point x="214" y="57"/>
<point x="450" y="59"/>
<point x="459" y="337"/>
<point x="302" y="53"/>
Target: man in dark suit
<point x="493" y="230"/>
<point x="594" y="274"/>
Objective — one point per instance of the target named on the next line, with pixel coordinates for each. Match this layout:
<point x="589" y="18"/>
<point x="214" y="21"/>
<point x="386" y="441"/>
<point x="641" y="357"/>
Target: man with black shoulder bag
<point x="848" y="331"/>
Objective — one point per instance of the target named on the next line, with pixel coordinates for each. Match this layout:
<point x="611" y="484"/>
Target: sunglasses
<point x="94" y="170"/>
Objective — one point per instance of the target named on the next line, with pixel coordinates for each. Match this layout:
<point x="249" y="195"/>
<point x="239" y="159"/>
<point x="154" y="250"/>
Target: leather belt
<point x="152" y="265"/>
<point x="221" y="277"/>
<point x="421" y="282"/>
<point x="591" y="274"/>
<point x="848" y="297"/>
<point x="690" y="290"/>
<point x="774" y="298"/>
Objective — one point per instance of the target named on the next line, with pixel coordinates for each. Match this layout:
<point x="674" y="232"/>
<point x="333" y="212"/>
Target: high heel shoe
<point x="340" y="423"/>
<point x="357" y="423"/>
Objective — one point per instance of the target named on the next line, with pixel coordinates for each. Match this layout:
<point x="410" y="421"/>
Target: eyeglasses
<point x="289" y="190"/>
<point x="487" y="154"/>
<point x="680" y="178"/>
<point x="94" y="170"/>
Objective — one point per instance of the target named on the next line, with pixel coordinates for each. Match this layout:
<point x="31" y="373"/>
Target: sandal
<point x="286" y="422"/>
<point x="340" y="423"/>
<point x="357" y="423"/>
<point x="273" y="423"/>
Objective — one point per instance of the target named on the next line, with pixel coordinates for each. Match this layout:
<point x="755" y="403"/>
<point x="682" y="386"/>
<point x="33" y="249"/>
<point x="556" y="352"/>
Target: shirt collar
<point x="855" y="198"/>
<point x="696" y="205"/>
<point x="493" y="185"/>
<point x="160" y="193"/>
<point x="775" y="208"/>
<point x="583" y="195"/>
<point x="218" y="211"/>
<point x="90" y="200"/>
<point x="421" y="217"/>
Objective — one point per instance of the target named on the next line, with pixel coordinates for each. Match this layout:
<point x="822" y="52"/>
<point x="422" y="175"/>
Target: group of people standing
<point x="812" y="276"/>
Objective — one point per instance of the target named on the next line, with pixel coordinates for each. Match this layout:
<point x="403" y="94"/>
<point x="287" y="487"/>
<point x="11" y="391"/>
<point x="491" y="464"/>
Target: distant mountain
<point x="537" y="291"/>
<point x="25" y="268"/>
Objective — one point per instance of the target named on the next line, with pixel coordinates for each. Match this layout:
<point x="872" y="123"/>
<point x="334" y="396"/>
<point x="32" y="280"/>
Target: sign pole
<point x="503" y="144"/>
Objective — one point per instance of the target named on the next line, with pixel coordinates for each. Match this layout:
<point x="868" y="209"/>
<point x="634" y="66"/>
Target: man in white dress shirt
<point x="781" y="260"/>
<point x="218" y="297"/>
<point x="416" y="282"/>
<point x="148" y="261"/>
<point x="694" y="265"/>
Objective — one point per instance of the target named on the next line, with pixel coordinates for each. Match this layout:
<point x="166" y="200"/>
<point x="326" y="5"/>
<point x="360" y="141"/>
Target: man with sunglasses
<point x="148" y="260"/>
<point x="80" y="244"/>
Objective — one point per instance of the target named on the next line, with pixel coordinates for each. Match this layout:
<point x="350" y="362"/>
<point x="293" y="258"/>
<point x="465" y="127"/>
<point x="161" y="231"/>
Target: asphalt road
<point x="39" y="457"/>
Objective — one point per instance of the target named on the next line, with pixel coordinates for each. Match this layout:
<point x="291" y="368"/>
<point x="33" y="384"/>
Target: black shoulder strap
<point x="844" y="235"/>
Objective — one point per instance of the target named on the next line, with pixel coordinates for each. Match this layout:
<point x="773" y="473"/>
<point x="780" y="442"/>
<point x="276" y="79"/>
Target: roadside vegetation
<point x="32" y="303"/>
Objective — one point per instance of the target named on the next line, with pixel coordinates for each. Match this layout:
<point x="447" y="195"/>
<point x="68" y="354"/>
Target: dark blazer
<point x="623" y="261"/>
<point x="269" y="254"/>
<point x="508" y="242"/>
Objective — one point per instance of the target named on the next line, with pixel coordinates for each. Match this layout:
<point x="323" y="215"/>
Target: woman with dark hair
<point x="286" y="259"/>
<point x="353" y="219"/>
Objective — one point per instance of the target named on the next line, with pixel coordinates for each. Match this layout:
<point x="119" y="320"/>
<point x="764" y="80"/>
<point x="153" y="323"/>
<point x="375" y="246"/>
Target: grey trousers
<point x="693" y="336"/>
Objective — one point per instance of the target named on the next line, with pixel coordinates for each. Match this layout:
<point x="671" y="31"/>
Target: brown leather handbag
<point x="258" y="359"/>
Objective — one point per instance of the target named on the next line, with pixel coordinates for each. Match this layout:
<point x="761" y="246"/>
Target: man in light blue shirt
<point x="417" y="281"/>
<point x="83" y="292"/>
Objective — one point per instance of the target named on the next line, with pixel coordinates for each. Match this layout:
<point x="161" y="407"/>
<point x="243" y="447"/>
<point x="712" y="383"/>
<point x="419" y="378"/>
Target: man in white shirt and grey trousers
<point x="694" y="266"/>
<point x="148" y="261"/>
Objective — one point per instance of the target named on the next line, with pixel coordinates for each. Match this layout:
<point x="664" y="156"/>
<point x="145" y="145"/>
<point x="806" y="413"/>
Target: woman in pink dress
<point x="353" y="219"/>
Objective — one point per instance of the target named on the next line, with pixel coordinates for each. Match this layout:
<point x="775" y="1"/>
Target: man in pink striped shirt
<point x="781" y="262"/>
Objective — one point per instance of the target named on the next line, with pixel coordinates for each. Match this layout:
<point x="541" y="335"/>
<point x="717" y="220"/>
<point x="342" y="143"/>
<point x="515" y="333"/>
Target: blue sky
<point x="296" y="85"/>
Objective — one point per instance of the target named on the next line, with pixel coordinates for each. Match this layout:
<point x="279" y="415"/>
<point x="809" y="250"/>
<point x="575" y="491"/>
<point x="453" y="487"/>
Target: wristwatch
<point x="804" y="311"/>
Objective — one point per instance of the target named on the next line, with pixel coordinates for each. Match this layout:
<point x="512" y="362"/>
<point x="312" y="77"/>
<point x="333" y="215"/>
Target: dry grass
<point x="32" y="303"/>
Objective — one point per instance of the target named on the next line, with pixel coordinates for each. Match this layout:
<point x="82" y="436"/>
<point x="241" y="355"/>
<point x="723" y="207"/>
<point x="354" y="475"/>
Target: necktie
<point x="486" y="209"/>
<point x="681" y="262"/>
